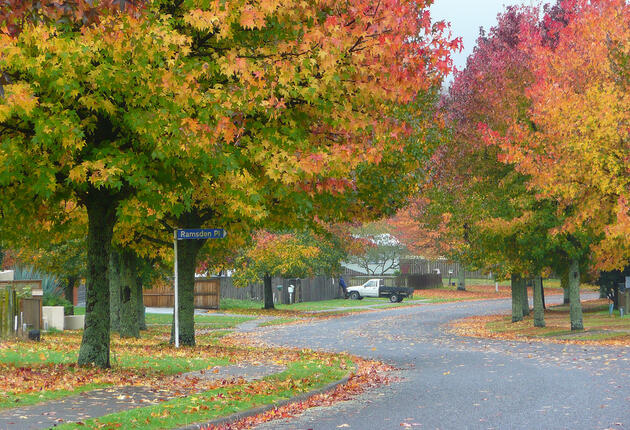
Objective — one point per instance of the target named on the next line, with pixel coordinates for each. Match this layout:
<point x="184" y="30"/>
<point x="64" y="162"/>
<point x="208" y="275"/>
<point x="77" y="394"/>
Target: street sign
<point x="201" y="233"/>
<point x="189" y="234"/>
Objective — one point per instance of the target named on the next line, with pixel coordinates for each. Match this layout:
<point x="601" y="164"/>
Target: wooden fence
<point x="207" y="291"/>
<point x="420" y="266"/>
<point x="305" y="290"/>
<point x="206" y="295"/>
<point x="17" y="309"/>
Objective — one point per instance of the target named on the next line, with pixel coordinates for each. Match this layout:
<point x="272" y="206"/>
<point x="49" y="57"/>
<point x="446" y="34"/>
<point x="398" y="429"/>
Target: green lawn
<point x="206" y="321"/>
<point x="234" y="304"/>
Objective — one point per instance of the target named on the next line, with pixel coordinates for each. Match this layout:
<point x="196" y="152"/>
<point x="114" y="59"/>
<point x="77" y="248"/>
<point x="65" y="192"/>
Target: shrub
<point x="56" y="300"/>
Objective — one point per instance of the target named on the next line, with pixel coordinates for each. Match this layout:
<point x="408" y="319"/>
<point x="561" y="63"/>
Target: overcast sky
<point x="466" y="16"/>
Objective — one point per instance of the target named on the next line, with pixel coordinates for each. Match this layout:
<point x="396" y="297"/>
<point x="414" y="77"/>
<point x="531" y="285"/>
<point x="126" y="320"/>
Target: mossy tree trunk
<point x="101" y="210"/>
<point x="461" y="278"/>
<point x="525" y="301"/>
<point x="129" y="295"/>
<point x="140" y="311"/>
<point x="187" y="251"/>
<point x="539" y="312"/>
<point x="517" y="297"/>
<point x="115" y="280"/>
<point x="564" y="283"/>
<point x="268" y="292"/>
<point x="575" y="306"/>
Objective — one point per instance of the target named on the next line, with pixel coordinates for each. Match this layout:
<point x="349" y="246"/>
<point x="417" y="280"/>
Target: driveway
<point x="450" y="382"/>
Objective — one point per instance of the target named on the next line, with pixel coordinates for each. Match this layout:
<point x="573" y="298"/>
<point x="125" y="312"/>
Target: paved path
<point x="449" y="382"/>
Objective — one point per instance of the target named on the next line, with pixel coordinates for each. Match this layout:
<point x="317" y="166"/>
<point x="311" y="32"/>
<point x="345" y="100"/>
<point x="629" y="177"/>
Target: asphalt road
<point x="450" y="382"/>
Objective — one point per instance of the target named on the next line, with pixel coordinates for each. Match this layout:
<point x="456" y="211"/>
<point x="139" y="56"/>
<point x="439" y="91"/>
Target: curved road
<point x="450" y="382"/>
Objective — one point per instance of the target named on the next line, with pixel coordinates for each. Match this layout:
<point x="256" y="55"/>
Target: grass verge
<point x="335" y="306"/>
<point x="600" y="327"/>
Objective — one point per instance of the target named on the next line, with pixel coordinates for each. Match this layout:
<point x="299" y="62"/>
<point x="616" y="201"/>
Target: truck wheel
<point x="393" y="298"/>
<point x="355" y="295"/>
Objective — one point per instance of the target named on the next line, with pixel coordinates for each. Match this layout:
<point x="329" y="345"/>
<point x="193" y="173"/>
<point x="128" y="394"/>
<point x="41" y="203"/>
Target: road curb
<point x="261" y="409"/>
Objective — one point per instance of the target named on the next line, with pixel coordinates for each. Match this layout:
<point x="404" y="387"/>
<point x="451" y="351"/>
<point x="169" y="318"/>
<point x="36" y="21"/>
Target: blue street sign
<point x="201" y="233"/>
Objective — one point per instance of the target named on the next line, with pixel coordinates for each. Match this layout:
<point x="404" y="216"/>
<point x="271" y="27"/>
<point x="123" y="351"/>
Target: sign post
<point x="189" y="234"/>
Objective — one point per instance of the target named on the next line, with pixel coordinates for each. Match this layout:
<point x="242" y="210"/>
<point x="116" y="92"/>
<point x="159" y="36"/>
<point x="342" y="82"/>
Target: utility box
<point x="53" y="317"/>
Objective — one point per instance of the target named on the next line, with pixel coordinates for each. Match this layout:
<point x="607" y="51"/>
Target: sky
<point x="466" y="16"/>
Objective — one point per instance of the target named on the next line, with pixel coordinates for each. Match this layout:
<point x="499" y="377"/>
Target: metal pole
<point x="176" y="293"/>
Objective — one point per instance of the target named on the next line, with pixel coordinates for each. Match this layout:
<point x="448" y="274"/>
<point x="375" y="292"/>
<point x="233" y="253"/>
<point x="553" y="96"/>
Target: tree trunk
<point x="268" y="292"/>
<point x="564" y="283"/>
<point x="140" y="311"/>
<point x="575" y="307"/>
<point x="517" y="298"/>
<point x="542" y="292"/>
<point x="101" y="211"/>
<point x="525" y="302"/>
<point x="461" y="278"/>
<point x="115" y="280"/>
<point x="187" y="251"/>
<point x="539" y="312"/>
<point x="68" y="291"/>
<point x="129" y="295"/>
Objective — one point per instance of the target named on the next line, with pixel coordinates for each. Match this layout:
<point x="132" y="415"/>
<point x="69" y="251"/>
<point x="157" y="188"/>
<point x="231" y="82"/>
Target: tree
<point x="272" y="255"/>
<point x="575" y="153"/>
<point x="381" y="252"/>
<point x="476" y="207"/>
<point x="478" y="204"/>
<point x="309" y="107"/>
<point x="302" y="122"/>
<point x="126" y="307"/>
<point x="102" y="119"/>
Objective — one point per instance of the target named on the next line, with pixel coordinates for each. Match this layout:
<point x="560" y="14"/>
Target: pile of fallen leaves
<point x="39" y="371"/>
<point x="368" y="374"/>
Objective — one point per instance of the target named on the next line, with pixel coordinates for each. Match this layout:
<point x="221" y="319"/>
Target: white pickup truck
<point x="376" y="288"/>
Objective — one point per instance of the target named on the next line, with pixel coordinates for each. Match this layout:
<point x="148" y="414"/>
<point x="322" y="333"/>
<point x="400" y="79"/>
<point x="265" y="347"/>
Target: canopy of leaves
<point x="477" y="206"/>
<point x="577" y="150"/>
<point x="283" y="255"/>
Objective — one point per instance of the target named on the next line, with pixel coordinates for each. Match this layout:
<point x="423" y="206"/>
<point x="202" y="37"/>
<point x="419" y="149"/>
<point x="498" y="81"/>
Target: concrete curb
<point x="261" y="409"/>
